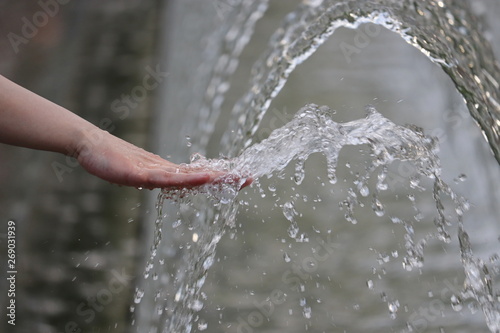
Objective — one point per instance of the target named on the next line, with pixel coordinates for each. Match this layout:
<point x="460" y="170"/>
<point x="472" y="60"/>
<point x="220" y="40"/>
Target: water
<point x="305" y="29"/>
<point x="423" y="211"/>
<point x="314" y="130"/>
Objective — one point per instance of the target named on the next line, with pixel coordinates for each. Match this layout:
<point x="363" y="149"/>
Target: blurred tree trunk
<point x="77" y="245"/>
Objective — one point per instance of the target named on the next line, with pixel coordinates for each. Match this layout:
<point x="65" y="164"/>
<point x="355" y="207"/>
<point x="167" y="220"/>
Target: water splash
<point x="428" y="25"/>
<point x="313" y="130"/>
<point x="479" y="282"/>
<point x="445" y="31"/>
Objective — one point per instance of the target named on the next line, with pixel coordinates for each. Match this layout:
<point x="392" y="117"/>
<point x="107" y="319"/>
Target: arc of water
<point x="301" y="33"/>
<point x="222" y="56"/>
<point x="305" y="29"/>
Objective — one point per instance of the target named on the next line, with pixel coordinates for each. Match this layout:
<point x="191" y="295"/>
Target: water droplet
<point x="139" y="294"/>
<point x="382" y="186"/>
<point x="369" y="283"/>
<point x="287" y="257"/>
<point x="332" y="177"/>
<point x="363" y="189"/>
<point x="350" y="218"/>
<point x="202" y="325"/>
<point x="196" y="305"/>
<point x="377" y="207"/>
<point x="393" y="308"/>
<point x="293" y="230"/>
<point x="226" y="195"/>
<point x="306" y="312"/>
<point x="456" y="303"/>
<point x="396" y="220"/>
<point x="299" y="172"/>
<point x="383" y="258"/>
<point x="289" y="211"/>
<point x="176" y="223"/>
<point x="415" y="182"/>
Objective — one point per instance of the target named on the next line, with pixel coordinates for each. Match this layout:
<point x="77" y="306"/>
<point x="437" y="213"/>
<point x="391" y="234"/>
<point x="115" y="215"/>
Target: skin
<point x="31" y="121"/>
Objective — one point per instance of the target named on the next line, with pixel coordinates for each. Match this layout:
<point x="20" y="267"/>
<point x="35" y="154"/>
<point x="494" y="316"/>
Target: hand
<point x="120" y="162"/>
<point x="31" y="121"/>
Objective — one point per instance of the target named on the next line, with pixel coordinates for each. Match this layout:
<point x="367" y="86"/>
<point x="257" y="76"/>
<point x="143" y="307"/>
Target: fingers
<point x="247" y="182"/>
<point x="122" y="163"/>
<point x="156" y="172"/>
<point x="164" y="179"/>
<point x="167" y="179"/>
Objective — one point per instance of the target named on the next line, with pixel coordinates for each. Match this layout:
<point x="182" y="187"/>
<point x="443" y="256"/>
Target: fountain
<point x="354" y="223"/>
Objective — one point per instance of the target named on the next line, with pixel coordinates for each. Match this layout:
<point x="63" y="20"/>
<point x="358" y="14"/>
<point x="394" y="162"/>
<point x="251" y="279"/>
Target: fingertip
<point x="248" y="181"/>
<point x="203" y="178"/>
<point x="234" y="180"/>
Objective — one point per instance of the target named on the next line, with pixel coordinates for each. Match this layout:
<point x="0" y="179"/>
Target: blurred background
<point x="75" y="230"/>
<point x="82" y="242"/>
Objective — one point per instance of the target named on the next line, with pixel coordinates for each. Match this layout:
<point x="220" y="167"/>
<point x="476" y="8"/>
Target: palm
<point x="120" y="162"/>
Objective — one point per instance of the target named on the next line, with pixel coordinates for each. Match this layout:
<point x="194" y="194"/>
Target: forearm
<point x="31" y="121"/>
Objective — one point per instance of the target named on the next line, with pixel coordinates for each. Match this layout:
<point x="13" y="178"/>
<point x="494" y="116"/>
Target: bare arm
<point x="31" y="121"/>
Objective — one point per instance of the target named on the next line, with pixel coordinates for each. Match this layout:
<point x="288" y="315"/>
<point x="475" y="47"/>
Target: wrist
<point x="86" y="138"/>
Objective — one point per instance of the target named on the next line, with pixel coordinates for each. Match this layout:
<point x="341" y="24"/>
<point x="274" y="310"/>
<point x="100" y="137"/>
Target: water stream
<point x="449" y="34"/>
